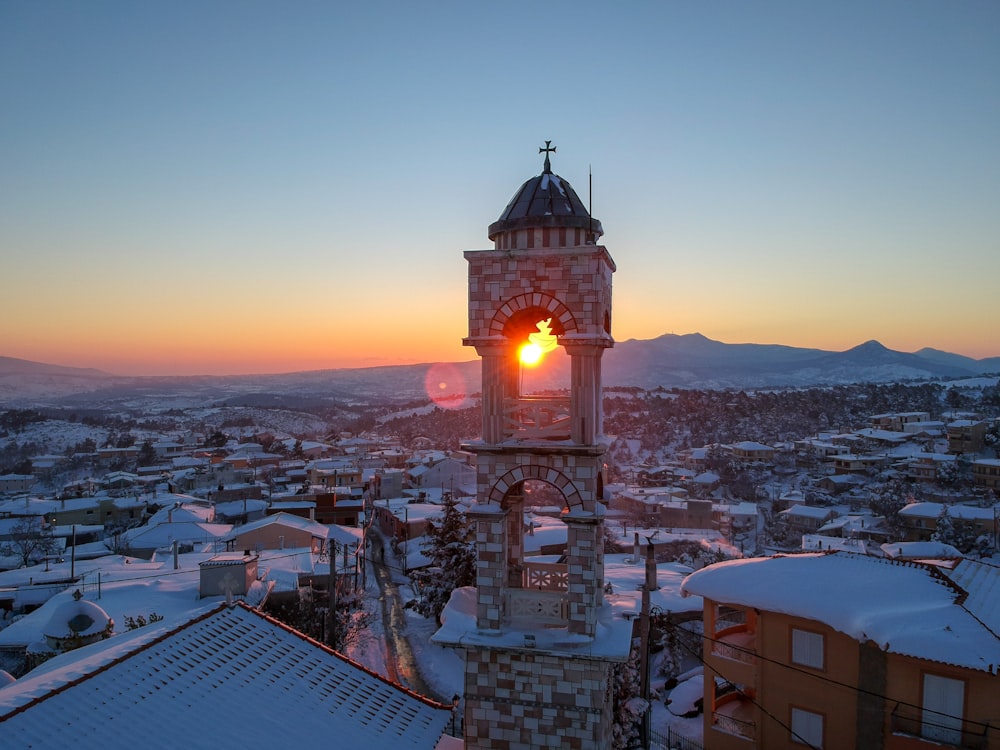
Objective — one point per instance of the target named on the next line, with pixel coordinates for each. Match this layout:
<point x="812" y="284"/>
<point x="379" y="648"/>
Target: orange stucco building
<point x="844" y="651"/>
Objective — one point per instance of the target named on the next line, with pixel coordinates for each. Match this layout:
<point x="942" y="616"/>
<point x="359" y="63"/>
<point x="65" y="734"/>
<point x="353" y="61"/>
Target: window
<point x="944" y="705"/>
<point x="807" y="728"/>
<point x="807" y="648"/>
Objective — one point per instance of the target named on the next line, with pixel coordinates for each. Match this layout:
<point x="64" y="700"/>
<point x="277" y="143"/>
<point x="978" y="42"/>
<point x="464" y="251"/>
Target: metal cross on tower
<point x="547" y="151"/>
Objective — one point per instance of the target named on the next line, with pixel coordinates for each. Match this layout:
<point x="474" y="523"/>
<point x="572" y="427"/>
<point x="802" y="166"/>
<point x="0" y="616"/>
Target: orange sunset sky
<point x="218" y="188"/>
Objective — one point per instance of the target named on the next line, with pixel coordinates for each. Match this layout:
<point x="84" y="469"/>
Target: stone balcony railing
<point x="537" y="418"/>
<point x="527" y="608"/>
<point x="544" y="576"/>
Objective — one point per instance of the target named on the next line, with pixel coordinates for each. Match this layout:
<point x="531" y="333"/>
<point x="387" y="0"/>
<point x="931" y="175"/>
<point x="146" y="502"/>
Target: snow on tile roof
<point x="231" y="677"/>
<point x="981" y="584"/>
<point x="907" y="608"/>
<point x="282" y="519"/>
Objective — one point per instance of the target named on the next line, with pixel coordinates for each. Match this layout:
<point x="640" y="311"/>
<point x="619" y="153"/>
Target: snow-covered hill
<point x="685" y="361"/>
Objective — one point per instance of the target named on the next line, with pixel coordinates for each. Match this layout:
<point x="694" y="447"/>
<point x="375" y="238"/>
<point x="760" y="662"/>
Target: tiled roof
<point x="981" y="583"/>
<point x="229" y="678"/>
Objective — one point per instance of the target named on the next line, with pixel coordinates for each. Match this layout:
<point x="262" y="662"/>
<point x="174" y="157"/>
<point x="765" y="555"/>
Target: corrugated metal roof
<point x="230" y="678"/>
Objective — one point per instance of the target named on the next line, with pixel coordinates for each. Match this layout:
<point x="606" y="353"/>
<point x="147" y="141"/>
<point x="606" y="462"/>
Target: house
<point x="144" y="541"/>
<point x="752" y="452"/>
<point x="986" y="473"/>
<point x="440" y="471"/>
<point x="101" y="509"/>
<point x="924" y="467"/>
<point x="687" y="514"/>
<point x="12" y="484"/>
<point x="839" y="650"/>
<point x="806" y="519"/>
<point x="966" y="436"/>
<point x="229" y="677"/>
<point x="897" y="421"/>
<point x="854" y="463"/>
<point x="279" y="531"/>
<point x="920" y="520"/>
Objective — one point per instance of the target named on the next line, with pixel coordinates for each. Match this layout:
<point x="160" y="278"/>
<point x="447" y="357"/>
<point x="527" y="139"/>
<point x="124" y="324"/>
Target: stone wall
<point x="526" y="700"/>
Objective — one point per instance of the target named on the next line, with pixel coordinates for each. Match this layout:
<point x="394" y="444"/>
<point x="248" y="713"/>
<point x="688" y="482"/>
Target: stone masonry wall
<point x="526" y="700"/>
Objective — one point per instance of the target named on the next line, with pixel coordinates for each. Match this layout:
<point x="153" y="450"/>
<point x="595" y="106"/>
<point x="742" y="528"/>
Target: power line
<point x="750" y="698"/>
<point x="855" y="688"/>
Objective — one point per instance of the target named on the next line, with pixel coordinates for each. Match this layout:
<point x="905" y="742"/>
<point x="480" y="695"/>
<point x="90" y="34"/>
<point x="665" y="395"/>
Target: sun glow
<point x="540" y="343"/>
<point x="530" y="354"/>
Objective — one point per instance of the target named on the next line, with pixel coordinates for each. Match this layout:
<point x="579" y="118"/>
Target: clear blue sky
<point x="198" y="187"/>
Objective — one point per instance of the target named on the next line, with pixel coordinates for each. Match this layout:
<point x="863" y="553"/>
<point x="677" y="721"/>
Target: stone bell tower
<point x="540" y="652"/>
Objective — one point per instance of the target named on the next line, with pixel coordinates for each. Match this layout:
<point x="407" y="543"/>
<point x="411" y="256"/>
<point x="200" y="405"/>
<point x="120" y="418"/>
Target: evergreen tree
<point x="451" y="549"/>
<point x="628" y="705"/>
<point x="888" y="500"/>
<point x="147" y="453"/>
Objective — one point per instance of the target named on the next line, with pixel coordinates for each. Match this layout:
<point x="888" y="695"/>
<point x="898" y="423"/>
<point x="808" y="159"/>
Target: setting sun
<point x="530" y="354"/>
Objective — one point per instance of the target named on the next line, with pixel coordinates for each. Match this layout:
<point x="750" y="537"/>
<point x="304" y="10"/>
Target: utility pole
<point x="649" y="586"/>
<point x="332" y="615"/>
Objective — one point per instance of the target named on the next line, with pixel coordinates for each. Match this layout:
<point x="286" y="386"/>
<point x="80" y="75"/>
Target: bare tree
<point x="28" y="542"/>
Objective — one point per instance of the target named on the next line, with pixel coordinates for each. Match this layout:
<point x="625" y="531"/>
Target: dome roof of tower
<point x="546" y="200"/>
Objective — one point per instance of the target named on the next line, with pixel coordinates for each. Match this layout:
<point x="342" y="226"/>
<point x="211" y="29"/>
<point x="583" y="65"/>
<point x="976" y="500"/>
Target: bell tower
<point x="540" y="652"/>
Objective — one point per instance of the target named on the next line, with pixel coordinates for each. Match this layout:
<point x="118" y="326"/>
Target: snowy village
<point x="594" y="566"/>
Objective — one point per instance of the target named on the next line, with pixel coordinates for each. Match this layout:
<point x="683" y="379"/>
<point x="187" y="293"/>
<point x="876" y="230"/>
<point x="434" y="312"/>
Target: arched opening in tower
<point x="543" y="373"/>
<point x="537" y="574"/>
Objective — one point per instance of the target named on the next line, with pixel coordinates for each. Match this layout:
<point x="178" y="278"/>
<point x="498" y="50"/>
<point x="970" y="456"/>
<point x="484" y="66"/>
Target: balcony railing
<point x="731" y="715"/>
<point x="541" y="417"/>
<point x="545" y="576"/>
<point x="734" y="651"/>
<point x="528" y="608"/>
<point x="936" y="730"/>
<point x="732" y="725"/>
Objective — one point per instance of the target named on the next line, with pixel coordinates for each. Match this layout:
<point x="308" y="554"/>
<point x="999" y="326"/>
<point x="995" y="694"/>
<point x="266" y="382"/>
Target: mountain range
<point x="671" y="360"/>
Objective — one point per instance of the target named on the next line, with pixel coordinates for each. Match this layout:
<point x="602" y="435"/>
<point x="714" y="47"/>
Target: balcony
<point x="536" y="418"/>
<point x="912" y="732"/>
<point x="736" y="645"/>
<point x="734" y="715"/>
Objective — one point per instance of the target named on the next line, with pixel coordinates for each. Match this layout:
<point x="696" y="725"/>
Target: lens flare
<point x="445" y="386"/>
<point x="540" y="343"/>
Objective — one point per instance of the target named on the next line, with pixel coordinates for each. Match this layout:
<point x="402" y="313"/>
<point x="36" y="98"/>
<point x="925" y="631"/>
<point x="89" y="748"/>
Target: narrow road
<point x="400" y="662"/>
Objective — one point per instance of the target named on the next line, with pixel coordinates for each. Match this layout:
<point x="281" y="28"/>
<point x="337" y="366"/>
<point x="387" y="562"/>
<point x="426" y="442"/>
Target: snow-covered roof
<point x="919" y="550"/>
<point x="906" y="608"/>
<point x="283" y="519"/>
<point x="807" y="511"/>
<point x="222" y="672"/>
<point x="165" y="534"/>
<point x="934" y="510"/>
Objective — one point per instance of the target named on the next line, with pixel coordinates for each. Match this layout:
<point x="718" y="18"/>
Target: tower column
<point x="585" y="392"/>
<point x="498" y="385"/>
<point x="585" y="581"/>
<point x="491" y="564"/>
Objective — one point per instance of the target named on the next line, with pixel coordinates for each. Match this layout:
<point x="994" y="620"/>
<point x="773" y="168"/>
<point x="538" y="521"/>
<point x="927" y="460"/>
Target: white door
<point x="944" y="707"/>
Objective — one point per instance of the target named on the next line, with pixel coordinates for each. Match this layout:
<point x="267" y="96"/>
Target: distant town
<point x="153" y="516"/>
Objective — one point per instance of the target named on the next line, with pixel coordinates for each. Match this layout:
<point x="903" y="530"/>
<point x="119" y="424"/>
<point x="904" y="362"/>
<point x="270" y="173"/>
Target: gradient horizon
<point x="233" y="188"/>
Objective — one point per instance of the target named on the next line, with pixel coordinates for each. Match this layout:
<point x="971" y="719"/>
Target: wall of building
<point x="783" y="685"/>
